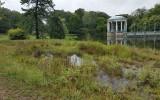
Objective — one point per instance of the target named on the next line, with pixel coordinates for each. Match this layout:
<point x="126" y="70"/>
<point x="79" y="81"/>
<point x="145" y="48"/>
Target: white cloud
<point x="12" y="4"/>
<point x="112" y="7"/>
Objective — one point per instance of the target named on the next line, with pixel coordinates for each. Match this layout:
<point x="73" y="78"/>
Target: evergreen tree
<point x="39" y="9"/>
<point x="57" y="28"/>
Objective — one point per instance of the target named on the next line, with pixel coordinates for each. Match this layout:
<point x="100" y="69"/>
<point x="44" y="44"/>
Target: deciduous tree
<point x="1" y="3"/>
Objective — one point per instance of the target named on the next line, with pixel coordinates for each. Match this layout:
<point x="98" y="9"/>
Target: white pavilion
<point x="117" y="29"/>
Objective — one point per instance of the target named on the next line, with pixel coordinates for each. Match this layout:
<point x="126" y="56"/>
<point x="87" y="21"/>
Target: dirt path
<point x="8" y="91"/>
<point x="4" y="89"/>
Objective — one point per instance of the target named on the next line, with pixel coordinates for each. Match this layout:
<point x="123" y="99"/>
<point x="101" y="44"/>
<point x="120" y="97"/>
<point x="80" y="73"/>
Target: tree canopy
<point x="1" y="3"/>
<point x="145" y="20"/>
<point x="39" y="9"/>
<point x="41" y="18"/>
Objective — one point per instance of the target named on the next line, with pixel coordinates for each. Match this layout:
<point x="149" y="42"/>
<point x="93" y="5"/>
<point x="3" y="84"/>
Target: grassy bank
<point x="40" y="69"/>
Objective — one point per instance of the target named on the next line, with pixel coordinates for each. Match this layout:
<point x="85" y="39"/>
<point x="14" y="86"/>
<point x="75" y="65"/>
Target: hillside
<point x="70" y="70"/>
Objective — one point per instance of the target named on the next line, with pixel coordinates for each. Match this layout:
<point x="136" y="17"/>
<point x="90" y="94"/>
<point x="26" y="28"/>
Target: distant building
<point x="117" y="29"/>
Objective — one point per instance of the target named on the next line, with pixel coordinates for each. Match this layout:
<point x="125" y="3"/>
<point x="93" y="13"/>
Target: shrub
<point x="111" y="66"/>
<point x="17" y="34"/>
<point x="120" y="51"/>
<point x="92" y="48"/>
<point x="148" y="76"/>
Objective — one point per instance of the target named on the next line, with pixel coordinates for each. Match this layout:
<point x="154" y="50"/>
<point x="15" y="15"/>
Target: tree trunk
<point x="36" y="20"/>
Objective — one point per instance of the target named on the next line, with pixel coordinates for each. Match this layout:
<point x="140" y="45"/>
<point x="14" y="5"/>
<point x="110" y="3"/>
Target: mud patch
<point x="117" y="84"/>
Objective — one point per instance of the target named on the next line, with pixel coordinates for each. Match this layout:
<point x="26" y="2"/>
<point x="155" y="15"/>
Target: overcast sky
<point x="111" y="7"/>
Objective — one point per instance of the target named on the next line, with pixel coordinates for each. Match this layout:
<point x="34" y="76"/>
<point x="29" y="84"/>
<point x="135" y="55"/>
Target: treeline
<point x="82" y="24"/>
<point x="145" y="19"/>
<point x="85" y="25"/>
<point x="9" y="19"/>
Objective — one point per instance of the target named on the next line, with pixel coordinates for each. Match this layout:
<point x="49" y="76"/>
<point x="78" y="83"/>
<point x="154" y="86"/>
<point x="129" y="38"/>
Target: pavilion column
<point x="111" y="26"/>
<point x="108" y="30"/>
<point x="121" y="42"/>
<point x="121" y="26"/>
<point x="108" y="26"/>
<point x="125" y="26"/>
<point x="116" y="26"/>
<point x="116" y="31"/>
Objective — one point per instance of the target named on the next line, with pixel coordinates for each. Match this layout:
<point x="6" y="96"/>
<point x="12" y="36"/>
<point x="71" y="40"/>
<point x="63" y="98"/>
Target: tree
<point x="96" y="24"/>
<point x="83" y="24"/>
<point x="1" y="3"/>
<point x="145" y="20"/>
<point x="0" y="7"/>
<point x="39" y="9"/>
<point x="73" y="24"/>
<point x="155" y="10"/>
<point x="9" y="19"/>
<point x="80" y="12"/>
<point x="56" y="27"/>
<point x="139" y="12"/>
<point x="101" y="28"/>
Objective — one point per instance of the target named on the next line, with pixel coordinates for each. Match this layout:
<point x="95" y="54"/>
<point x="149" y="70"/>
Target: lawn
<point x="42" y="70"/>
<point x="3" y="37"/>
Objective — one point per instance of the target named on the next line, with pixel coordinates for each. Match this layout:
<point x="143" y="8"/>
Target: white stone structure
<point x="117" y="29"/>
<point x="75" y="60"/>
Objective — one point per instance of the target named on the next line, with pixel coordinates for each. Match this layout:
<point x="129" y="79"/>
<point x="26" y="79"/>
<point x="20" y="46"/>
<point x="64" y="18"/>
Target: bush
<point x="17" y="34"/>
<point x="120" y="51"/>
<point x="148" y="76"/>
<point x="92" y="48"/>
<point x="110" y="66"/>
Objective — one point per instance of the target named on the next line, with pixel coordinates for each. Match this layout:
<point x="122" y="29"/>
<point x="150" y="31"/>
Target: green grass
<point x="3" y="37"/>
<point x="25" y="68"/>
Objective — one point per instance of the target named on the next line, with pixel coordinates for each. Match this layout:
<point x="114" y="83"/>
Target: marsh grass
<point x="149" y="76"/>
<point x="42" y="66"/>
<point x="111" y="66"/>
<point x="91" y="48"/>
